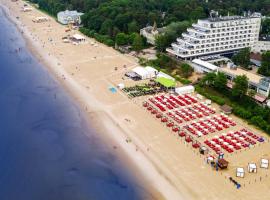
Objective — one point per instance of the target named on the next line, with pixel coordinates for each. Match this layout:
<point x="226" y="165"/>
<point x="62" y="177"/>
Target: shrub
<point x="214" y="98"/>
<point x="242" y="112"/>
<point x="258" y="121"/>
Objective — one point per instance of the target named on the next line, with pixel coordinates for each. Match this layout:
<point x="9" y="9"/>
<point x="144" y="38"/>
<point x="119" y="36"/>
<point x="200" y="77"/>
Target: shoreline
<point x="86" y="100"/>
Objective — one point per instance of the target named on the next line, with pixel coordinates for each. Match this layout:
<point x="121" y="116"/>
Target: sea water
<point x="47" y="150"/>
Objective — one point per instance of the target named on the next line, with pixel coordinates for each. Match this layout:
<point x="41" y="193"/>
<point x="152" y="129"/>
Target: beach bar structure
<point x="222" y="163"/>
<point x="152" y="72"/>
<point x="145" y="72"/>
<point x="226" y="109"/>
<point x="141" y="72"/>
<point x="66" y="17"/>
<point x="77" y="38"/>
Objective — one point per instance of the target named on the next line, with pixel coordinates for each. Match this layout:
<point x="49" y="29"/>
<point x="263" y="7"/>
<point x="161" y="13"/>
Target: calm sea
<point x="47" y="150"/>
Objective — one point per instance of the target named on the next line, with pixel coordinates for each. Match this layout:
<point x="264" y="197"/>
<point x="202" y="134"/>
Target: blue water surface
<point x="47" y="150"/>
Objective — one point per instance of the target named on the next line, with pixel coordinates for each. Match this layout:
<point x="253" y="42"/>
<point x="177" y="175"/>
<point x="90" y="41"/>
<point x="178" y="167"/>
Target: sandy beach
<point x="163" y="162"/>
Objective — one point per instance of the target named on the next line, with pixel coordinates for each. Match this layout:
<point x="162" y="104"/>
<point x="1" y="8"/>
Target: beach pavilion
<point x="141" y="72"/>
<point x="78" y="38"/>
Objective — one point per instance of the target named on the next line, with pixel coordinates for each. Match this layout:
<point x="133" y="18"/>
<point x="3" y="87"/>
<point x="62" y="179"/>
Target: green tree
<point x="122" y="39"/>
<point x="172" y="31"/>
<point x="107" y="27"/>
<point x="240" y="86"/>
<point x="242" y="58"/>
<point x="265" y="27"/>
<point x="137" y="44"/>
<point x="220" y="81"/>
<point x="133" y="27"/>
<point x="197" y="13"/>
<point x="162" y="42"/>
<point x="208" y="79"/>
<point x="265" y="67"/>
<point x="115" y="31"/>
<point x="251" y="93"/>
<point x="186" y="70"/>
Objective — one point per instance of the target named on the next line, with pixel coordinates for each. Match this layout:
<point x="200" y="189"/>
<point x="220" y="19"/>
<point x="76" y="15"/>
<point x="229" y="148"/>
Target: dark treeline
<point x="109" y="17"/>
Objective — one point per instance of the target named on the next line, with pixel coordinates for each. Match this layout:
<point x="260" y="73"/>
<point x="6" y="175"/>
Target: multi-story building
<point x="151" y="32"/>
<point x="218" y="35"/>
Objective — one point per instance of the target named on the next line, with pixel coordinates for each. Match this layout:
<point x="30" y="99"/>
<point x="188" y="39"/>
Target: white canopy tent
<point x="240" y="172"/>
<point x="185" y="90"/>
<point x="162" y="74"/>
<point x="264" y="163"/>
<point x="141" y="71"/>
<point x="152" y="72"/>
<point x="252" y="168"/>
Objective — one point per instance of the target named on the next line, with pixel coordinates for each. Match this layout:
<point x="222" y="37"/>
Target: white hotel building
<point x="218" y="35"/>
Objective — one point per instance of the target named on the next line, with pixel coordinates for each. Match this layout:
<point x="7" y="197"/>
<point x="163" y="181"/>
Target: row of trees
<point x="219" y="82"/>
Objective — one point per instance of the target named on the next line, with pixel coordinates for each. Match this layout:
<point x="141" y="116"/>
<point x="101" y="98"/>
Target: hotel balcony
<point x="197" y="31"/>
<point x="184" y="47"/>
<point x="196" y="37"/>
<point x="187" y="41"/>
<point x="200" y="27"/>
<point x="180" y="40"/>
